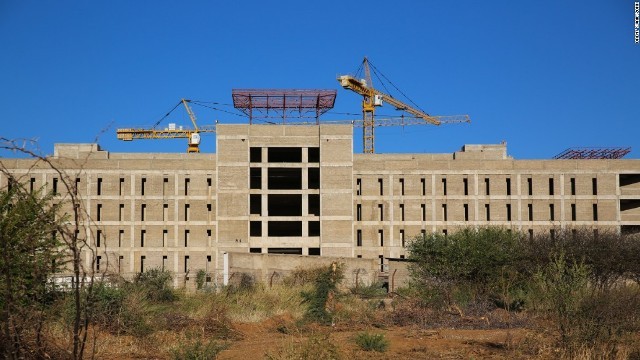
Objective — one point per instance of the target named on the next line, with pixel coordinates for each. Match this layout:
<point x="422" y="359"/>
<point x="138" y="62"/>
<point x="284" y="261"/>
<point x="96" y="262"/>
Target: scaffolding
<point x="594" y="153"/>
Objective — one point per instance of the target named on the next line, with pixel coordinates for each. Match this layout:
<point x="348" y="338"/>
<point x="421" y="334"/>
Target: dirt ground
<point x="261" y="339"/>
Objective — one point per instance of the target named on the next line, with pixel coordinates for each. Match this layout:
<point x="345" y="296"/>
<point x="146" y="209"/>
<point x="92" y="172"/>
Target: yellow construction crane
<point x="373" y="98"/>
<point x="170" y="132"/>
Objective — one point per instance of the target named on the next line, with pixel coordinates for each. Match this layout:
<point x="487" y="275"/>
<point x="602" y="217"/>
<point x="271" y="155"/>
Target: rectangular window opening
<point x="466" y="212"/>
<point x="551" y="187"/>
<point x="284" y="154"/>
<point x="255" y="204"/>
<point x="255" y="154"/>
<point x="143" y="182"/>
<point x="444" y="187"/>
<point x="313" y="155"/>
<point x="508" y="212"/>
<point x="121" y="188"/>
<point x="530" y="209"/>
<point x="358" y="187"/>
<point x="187" y="181"/>
<point x="573" y="212"/>
<point x="314" y="228"/>
<point x="358" y="212"/>
<point x="423" y="185"/>
<point x="465" y="185"/>
<point x="255" y="178"/>
<point x="401" y="186"/>
<point x="487" y="209"/>
<point x="530" y="186"/>
<point x="381" y="212"/>
<point x="314" y="251"/>
<point x="401" y="212"/>
<point x="444" y="212"/>
<point x="552" y="212"/>
<point x="314" y="204"/>
<point x="284" y="178"/>
<point x="284" y="204"/>
<point x="186" y="238"/>
<point x="595" y="212"/>
<point x="381" y="185"/>
<point x="572" y="182"/>
<point x="313" y="178"/>
<point x="358" y="237"/>
<point x="486" y="186"/>
<point x="594" y="186"/>
<point x="142" y="236"/>
<point x="508" y="187"/>
<point x="381" y="237"/>
<point x="99" y="189"/>
<point x="284" y="228"/>
<point x="255" y="228"/>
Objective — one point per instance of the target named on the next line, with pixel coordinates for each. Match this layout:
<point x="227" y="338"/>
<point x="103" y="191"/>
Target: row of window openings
<point x="100" y="239"/>
<point x="487" y="186"/>
<point x="143" y="182"/>
<point x="143" y="212"/>
<point x="466" y="212"/>
<point x="423" y="233"/>
<point x="165" y="260"/>
<point x="284" y="155"/>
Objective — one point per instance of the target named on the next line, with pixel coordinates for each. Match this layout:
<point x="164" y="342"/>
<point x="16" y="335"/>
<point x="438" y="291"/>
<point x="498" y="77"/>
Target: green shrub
<point x="562" y="286"/>
<point x="156" y="283"/>
<point x="470" y="265"/>
<point x="372" y="342"/>
<point x="324" y="290"/>
<point x="201" y="276"/>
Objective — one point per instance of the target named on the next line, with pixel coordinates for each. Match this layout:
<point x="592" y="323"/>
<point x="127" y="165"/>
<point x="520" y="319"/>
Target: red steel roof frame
<point x="594" y="153"/>
<point x="283" y="103"/>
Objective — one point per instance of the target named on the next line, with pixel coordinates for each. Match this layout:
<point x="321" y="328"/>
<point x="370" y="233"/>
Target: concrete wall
<point x="272" y="268"/>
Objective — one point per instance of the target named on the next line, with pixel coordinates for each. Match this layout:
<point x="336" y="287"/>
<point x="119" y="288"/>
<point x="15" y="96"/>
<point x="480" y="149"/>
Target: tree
<point x="70" y="230"/>
<point x="29" y="254"/>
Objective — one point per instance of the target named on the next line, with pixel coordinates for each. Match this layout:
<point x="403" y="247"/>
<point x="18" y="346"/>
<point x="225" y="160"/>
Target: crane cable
<point x="375" y="71"/>
<point x="166" y="115"/>
<point x="202" y="103"/>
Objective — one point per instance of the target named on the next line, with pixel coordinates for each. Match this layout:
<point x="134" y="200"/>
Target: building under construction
<point x="290" y="188"/>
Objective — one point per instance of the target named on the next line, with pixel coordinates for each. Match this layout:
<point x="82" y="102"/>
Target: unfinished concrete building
<point x="285" y="189"/>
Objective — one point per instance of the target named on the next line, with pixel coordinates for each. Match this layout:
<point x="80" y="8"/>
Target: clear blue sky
<point x="541" y="75"/>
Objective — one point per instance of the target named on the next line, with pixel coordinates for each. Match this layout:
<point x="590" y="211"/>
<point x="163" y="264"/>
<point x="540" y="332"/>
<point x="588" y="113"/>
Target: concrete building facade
<point x="277" y="189"/>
